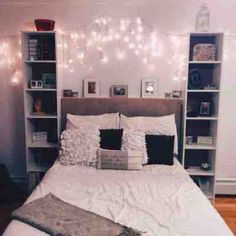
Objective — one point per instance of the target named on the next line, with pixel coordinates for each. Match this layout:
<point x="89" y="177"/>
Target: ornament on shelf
<point x="203" y="18"/>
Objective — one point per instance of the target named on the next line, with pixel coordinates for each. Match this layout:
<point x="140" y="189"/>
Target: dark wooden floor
<point x="226" y="206"/>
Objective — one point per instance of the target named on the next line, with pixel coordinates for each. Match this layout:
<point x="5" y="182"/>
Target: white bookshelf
<point x="196" y="125"/>
<point x="39" y="157"/>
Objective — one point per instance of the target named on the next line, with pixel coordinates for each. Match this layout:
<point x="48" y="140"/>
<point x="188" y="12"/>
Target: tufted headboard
<point x="126" y="106"/>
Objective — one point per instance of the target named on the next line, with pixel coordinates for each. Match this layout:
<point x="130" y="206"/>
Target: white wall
<point x="167" y="17"/>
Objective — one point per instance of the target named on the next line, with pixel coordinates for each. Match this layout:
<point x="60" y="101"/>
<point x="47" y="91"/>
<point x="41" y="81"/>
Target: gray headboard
<point x="126" y="106"/>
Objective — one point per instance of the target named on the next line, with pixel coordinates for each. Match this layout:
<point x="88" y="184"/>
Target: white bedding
<point x="160" y="200"/>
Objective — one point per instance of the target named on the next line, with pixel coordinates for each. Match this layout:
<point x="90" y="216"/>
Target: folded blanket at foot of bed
<point x="56" y="217"/>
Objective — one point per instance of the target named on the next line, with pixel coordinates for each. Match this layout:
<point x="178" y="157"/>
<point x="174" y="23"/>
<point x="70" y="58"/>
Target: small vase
<point x="203" y="18"/>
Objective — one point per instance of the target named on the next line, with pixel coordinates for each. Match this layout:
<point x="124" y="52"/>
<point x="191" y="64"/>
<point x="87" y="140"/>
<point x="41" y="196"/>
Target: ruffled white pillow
<point x="134" y="140"/>
<point x="79" y="146"/>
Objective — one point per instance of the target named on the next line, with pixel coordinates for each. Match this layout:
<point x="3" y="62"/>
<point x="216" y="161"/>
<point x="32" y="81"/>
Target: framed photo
<point x="36" y="84"/>
<point x="205" y="140"/>
<point x="149" y="88"/>
<point x="91" y="88"/>
<point x="49" y="80"/>
<point x="176" y="94"/>
<point x="119" y="91"/>
<point x="205" y="109"/>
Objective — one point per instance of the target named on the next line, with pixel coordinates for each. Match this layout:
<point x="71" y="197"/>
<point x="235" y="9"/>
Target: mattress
<point x="158" y="200"/>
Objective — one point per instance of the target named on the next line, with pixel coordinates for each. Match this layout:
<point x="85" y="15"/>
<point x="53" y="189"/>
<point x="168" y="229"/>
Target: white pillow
<point x="162" y="125"/>
<point x="134" y="140"/>
<point x="104" y="121"/>
<point x="79" y="146"/>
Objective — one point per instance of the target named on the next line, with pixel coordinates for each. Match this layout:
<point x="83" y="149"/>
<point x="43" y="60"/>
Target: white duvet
<point x="159" y="200"/>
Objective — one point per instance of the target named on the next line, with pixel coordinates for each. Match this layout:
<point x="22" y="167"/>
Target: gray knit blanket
<point x="56" y="217"/>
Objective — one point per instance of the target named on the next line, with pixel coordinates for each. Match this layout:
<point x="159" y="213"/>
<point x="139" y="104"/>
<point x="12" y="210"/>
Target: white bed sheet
<point x="159" y="200"/>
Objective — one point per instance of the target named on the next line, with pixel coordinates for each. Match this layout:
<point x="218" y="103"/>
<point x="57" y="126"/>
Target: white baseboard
<point x="226" y="186"/>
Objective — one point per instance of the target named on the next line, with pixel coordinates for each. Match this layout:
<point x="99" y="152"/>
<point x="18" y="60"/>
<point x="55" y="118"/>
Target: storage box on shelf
<point x="202" y="108"/>
<point x="40" y="102"/>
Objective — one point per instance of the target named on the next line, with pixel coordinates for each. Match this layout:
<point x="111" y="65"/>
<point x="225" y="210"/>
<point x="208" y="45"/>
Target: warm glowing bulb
<point x="71" y="70"/>
<point x="140" y="29"/>
<point x="122" y="28"/>
<point x="131" y="45"/>
<point x="70" y="61"/>
<point x="175" y="78"/>
<point x="145" y="60"/>
<point x="74" y="36"/>
<point x="94" y="33"/>
<point x="138" y="21"/>
<point x="104" y="21"/>
<point x="136" y="52"/>
<point x="132" y="32"/>
<point x="120" y="55"/>
<point x="117" y="36"/>
<point x="126" y="39"/>
<point x="81" y="55"/>
<point x="89" y="43"/>
<point x="105" y="60"/>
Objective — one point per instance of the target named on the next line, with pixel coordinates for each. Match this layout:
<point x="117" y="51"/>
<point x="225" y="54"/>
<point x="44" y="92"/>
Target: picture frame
<point x="36" y="84"/>
<point x="49" y="80"/>
<point x="91" y="88"/>
<point x="205" y="140"/>
<point x="149" y="88"/>
<point x="119" y="91"/>
<point x="176" y="94"/>
<point x="205" y="109"/>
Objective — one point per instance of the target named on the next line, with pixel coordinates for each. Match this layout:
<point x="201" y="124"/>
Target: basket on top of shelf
<point x="44" y="24"/>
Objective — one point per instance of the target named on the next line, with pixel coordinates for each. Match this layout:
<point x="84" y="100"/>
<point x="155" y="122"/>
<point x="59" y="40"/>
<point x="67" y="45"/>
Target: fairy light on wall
<point x="129" y="34"/>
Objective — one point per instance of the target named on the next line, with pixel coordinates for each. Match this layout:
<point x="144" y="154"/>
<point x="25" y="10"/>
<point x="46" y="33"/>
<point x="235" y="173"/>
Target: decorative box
<point x="49" y="80"/>
<point x="119" y="160"/>
<point x="39" y="137"/>
<point x="205" y="140"/>
<point x="204" y="52"/>
<point x="36" y="84"/>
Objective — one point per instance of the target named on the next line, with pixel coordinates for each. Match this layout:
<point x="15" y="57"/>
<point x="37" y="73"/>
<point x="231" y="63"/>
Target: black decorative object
<point x="195" y="81"/>
<point x="111" y="139"/>
<point x="191" y="112"/>
<point x="160" y="149"/>
<point x="67" y="93"/>
<point x="205" y="166"/>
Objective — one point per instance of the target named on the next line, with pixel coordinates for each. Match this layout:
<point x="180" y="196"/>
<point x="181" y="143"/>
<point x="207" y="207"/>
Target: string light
<point x="105" y="60"/>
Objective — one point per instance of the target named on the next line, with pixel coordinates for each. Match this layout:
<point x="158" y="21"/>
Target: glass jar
<point x="203" y="18"/>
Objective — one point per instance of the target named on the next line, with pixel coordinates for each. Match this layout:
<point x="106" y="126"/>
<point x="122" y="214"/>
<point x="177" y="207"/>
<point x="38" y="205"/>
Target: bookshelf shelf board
<point x="41" y="117"/>
<point x="40" y="61"/>
<point x="205" y="62"/>
<point x="203" y="90"/>
<point x="199" y="147"/>
<point x="46" y="145"/>
<point x="202" y="118"/>
<point x="40" y="90"/>
<point x="197" y="171"/>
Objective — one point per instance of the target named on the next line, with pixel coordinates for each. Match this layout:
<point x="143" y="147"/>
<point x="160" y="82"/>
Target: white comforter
<point x="159" y="200"/>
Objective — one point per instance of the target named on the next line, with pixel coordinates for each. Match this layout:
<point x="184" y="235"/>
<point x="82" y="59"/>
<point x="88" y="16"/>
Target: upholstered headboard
<point x="126" y="106"/>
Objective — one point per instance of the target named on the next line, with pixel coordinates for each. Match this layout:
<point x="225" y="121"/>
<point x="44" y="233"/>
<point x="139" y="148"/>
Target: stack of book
<point x="34" y="49"/>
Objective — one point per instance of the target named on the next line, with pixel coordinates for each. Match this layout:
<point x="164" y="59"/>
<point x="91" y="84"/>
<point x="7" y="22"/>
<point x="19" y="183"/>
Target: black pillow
<point x="111" y="139"/>
<point x="160" y="149"/>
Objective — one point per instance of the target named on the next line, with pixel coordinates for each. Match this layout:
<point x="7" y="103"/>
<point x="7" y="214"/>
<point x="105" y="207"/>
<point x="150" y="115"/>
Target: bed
<point x="158" y="200"/>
